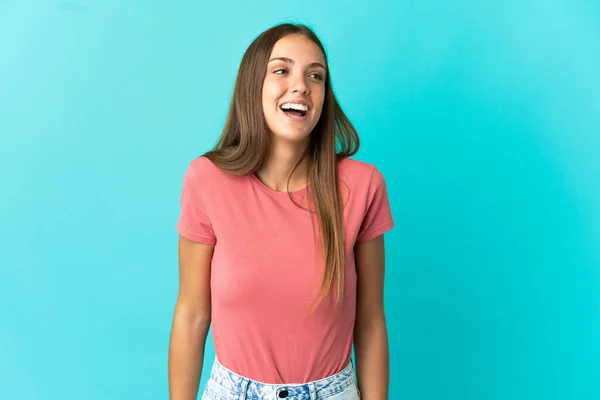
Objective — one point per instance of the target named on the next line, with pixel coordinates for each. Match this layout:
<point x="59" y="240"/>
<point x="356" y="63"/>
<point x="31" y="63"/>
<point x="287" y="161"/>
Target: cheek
<point x="319" y="100"/>
<point x="271" y="91"/>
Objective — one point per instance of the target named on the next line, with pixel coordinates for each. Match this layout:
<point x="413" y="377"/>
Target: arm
<point x="370" y="332"/>
<point x="191" y="320"/>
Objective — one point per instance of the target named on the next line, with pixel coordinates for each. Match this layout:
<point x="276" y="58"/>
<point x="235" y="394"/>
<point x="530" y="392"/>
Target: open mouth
<point x="296" y="112"/>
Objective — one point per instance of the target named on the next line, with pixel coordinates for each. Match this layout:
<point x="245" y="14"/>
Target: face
<point x="295" y="79"/>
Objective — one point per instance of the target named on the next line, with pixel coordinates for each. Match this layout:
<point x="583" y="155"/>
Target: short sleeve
<point x="194" y="223"/>
<point x="378" y="217"/>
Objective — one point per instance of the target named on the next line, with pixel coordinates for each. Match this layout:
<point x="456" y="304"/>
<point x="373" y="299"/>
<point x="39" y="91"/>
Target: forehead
<point x="298" y="48"/>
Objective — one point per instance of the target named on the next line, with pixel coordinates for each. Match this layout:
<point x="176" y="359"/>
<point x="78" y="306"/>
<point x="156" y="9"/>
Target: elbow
<point x="193" y="317"/>
<point x="368" y="321"/>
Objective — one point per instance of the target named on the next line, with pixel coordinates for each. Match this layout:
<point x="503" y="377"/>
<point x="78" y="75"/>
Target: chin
<point x="292" y="136"/>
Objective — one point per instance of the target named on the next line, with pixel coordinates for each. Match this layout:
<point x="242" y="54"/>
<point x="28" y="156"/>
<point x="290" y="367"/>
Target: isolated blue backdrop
<point x="483" y="118"/>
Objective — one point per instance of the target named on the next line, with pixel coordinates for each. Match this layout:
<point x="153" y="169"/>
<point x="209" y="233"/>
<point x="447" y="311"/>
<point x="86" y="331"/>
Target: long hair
<point x="245" y="140"/>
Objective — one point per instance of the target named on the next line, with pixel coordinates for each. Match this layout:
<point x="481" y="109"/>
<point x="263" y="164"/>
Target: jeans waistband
<point x="239" y="387"/>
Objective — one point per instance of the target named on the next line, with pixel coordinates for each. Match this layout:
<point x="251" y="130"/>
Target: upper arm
<point x="370" y="269"/>
<point x="193" y="300"/>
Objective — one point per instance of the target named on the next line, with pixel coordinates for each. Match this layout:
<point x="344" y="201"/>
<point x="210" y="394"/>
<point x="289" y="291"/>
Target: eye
<point x="277" y="72"/>
<point x="317" y="76"/>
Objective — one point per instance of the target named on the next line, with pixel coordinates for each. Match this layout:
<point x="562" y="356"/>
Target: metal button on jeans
<point x="282" y="393"/>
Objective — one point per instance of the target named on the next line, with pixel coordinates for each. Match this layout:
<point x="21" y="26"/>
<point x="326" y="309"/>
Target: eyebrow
<point x="290" y="61"/>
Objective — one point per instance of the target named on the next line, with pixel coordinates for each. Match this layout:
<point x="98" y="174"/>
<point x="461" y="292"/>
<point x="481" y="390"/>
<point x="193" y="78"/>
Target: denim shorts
<point x="224" y="384"/>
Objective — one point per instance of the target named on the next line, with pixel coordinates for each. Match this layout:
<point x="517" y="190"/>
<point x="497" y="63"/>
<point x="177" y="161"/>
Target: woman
<point x="281" y="241"/>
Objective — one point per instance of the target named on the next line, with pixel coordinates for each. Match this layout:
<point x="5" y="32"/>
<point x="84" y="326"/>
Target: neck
<point x="278" y="165"/>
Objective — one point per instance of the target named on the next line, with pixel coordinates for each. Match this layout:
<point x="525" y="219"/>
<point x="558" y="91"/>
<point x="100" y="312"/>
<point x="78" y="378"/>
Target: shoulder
<point x="359" y="172"/>
<point x="361" y="182"/>
<point x="202" y="169"/>
<point x="202" y="166"/>
<point x="202" y="175"/>
<point x="214" y="182"/>
<point x="351" y="166"/>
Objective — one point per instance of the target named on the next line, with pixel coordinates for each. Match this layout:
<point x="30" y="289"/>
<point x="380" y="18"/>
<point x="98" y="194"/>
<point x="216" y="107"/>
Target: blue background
<point x="482" y="116"/>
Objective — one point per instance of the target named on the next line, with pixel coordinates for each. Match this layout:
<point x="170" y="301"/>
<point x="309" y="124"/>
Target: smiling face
<point x="294" y="87"/>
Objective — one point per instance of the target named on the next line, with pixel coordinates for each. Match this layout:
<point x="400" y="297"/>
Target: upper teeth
<point x="295" y="106"/>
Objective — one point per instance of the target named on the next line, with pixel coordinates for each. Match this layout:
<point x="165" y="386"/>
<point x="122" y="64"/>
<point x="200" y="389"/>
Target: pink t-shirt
<point x="265" y="269"/>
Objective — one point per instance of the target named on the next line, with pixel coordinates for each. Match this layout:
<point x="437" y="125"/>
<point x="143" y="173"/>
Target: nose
<point x="300" y="86"/>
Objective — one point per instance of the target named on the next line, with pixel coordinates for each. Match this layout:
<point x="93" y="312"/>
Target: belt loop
<point x="243" y="391"/>
<point x="313" y="391"/>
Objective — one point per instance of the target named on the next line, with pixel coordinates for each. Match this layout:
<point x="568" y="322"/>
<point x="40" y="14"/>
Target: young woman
<point x="281" y="242"/>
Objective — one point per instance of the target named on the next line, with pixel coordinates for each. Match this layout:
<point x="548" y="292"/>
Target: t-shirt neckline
<point x="274" y="192"/>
